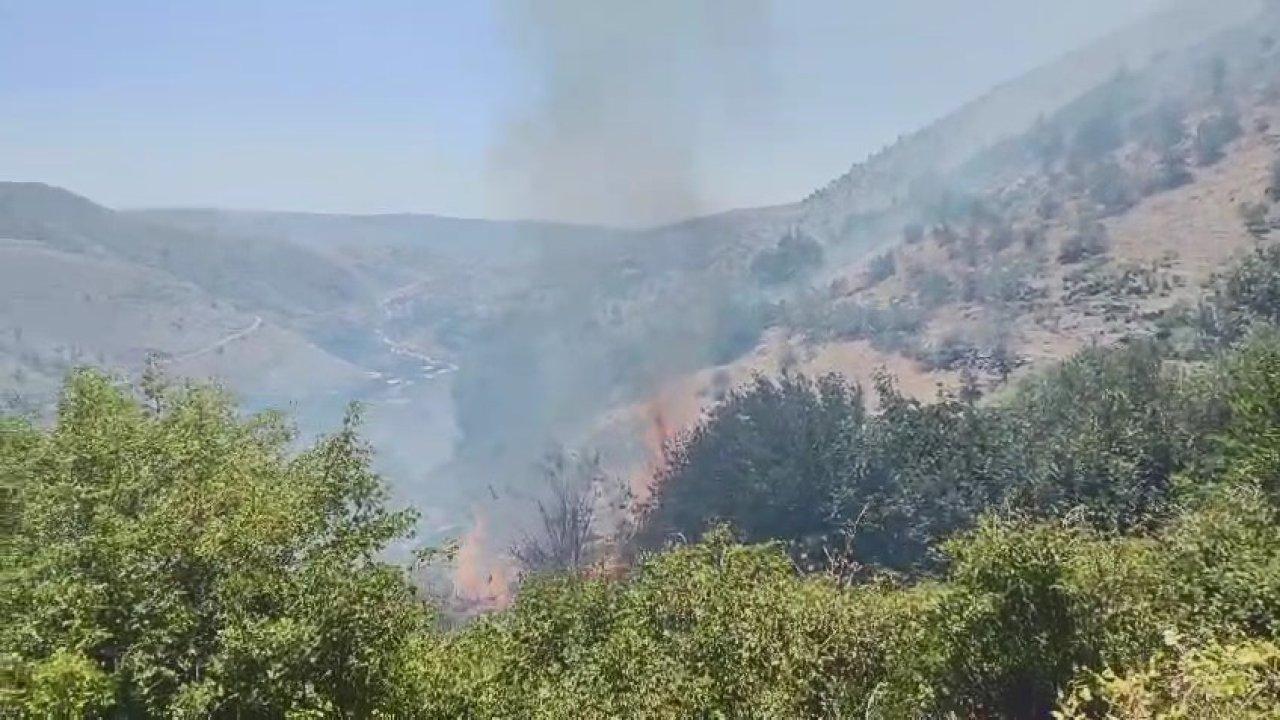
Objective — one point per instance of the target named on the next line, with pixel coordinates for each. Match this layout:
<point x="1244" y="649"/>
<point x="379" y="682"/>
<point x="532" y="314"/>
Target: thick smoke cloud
<point x="620" y="95"/>
<point x="621" y="92"/>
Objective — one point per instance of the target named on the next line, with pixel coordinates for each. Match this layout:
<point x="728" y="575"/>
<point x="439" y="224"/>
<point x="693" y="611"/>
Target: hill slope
<point x="82" y="284"/>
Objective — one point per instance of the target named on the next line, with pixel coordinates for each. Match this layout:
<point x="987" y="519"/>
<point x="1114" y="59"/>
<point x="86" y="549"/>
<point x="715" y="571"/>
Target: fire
<point x="482" y="578"/>
<point x="674" y="408"/>
<point x="655" y="441"/>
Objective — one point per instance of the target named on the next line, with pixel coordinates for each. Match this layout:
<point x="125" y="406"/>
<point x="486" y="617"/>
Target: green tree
<point x="769" y="459"/>
<point x="1214" y="133"/>
<point x="177" y="560"/>
<point x="795" y="256"/>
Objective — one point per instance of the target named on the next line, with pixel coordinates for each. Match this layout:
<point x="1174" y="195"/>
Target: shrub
<point x="1254" y="216"/>
<point x="795" y="255"/>
<point x="714" y="629"/>
<point x="1103" y="433"/>
<point x="1097" y="136"/>
<point x="178" y="560"/>
<point x="1025" y="613"/>
<point x="1238" y="680"/>
<point x="1045" y="142"/>
<point x="1171" y="172"/>
<point x="881" y="268"/>
<point x="740" y="464"/>
<point x="1001" y="283"/>
<point x="64" y="685"/>
<point x="1165" y="126"/>
<point x="1088" y="241"/>
<point x="1244" y="296"/>
<point x="950" y="353"/>
<point x="1111" y="188"/>
<point x="820" y="318"/>
<point x="1214" y="134"/>
<point x="932" y="288"/>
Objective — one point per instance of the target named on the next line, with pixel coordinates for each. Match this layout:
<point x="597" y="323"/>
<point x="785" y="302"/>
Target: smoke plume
<point x="620" y="91"/>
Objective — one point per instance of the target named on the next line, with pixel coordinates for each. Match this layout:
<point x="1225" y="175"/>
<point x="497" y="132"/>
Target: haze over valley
<point x="550" y="359"/>
<point x="478" y="346"/>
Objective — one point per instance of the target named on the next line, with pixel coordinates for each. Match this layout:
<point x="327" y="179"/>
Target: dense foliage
<point x="798" y="460"/>
<point x="166" y="558"/>
<point x="1124" y="565"/>
<point x="1024" y="612"/>
<point x="795" y="256"/>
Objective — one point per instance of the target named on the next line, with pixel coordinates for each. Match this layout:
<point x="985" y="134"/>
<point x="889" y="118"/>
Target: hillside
<point x="1067" y="207"/>
<point x="986" y="428"/>
<point x="885" y="179"/>
<point x="83" y="285"/>
<point x="259" y="275"/>
<point x="1084" y="229"/>
<point x="61" y="309"/>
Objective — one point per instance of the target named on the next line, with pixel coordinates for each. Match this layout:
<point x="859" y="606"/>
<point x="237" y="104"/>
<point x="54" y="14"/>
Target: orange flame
<point x="482" y="579"/>
<point x="674" y="408"/>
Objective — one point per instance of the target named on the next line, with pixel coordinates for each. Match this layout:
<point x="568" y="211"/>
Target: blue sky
<point x="398" y="106"/>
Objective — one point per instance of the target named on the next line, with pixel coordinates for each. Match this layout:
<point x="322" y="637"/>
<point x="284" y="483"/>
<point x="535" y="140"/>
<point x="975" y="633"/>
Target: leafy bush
<point x="1246" y="295"/>
<point x="1024" y="612"/>
<point x="1254" y="216"/>
<point x="180" y="562"/>
<point x="1111" y="188"/>
<point x="1238" y="680"/>
<point x="1045" y="142"/>
<point x="1171" y="172"/>
<point x="1097" y="136"/>
<point x="1219" y="656"/>
<point x="795" y="255"/>
<point x="714" y="629"/>
<point x="1088" y="241"/>
<point x="1214" y="133"/>
<point x="931" y="288"/>
<point x="881" y="268"/>
<point x="1105" y="433"/>
<point x="742" y="464"/>
<point x="1165" y="126"/>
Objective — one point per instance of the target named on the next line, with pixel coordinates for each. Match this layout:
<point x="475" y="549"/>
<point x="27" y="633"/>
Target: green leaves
<point x="1026" y="610"/>
<point x="181" y="556"/>
<point x="801" y="461"/>
<point x="66" y="685"/>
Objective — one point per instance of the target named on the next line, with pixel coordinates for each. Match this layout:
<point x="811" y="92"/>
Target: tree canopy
<point x="171" y="558"/>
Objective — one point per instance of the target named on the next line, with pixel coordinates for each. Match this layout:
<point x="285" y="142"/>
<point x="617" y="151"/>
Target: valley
<point x="477" y="347"/>
<point x="985" y="427"/>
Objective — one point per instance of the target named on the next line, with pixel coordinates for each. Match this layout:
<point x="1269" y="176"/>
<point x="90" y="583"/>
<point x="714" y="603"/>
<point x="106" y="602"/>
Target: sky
<point x="383" y="106"/>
